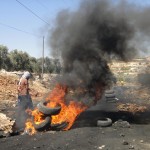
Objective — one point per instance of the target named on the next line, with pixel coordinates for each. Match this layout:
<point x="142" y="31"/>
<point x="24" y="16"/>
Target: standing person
<point x="24" y="100"/>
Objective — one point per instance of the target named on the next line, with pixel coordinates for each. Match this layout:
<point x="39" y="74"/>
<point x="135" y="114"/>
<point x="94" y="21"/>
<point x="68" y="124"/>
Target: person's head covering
<point x="26" y="75"/>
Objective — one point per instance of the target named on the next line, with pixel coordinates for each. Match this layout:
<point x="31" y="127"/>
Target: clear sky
<point x="14" y="15"/>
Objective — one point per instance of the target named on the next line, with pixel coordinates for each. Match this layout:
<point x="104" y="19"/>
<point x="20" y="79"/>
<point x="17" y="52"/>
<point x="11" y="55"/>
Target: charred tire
<point x="110" y="95"/>
<point x="111" y="100"/>
<point x="104" y="122"/>
<point x="109" y="91"/>
<point x="59" y="126"/>
<point x="43" y="125"/>
<point x="47" y="110"/>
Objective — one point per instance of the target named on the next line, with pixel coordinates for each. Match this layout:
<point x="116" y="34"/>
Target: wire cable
<point x="32" y="12"/>
<point x="42" y="4"/>
<point x="18" y="29"/>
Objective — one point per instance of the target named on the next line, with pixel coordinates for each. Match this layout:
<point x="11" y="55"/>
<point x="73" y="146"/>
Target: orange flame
<point x="67" y="114"/>
<point x="30" y="128"/>
<point x="38" y="118"/>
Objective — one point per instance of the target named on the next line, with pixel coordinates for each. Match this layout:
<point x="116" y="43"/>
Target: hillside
<point x="8" y="90"/>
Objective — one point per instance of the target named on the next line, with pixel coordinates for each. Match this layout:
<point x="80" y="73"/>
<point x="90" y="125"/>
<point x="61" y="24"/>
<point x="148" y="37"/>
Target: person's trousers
<point x="24" y="103"/>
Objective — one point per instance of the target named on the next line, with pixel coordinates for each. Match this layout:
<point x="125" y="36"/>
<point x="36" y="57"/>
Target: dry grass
<point x="133" y="108"/>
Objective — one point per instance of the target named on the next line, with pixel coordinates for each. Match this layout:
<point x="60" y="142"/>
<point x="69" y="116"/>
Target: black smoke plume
<point x="86" y="39"/>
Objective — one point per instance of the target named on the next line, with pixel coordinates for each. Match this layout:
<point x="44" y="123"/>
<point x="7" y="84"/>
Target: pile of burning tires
<point x="48" y="112"/>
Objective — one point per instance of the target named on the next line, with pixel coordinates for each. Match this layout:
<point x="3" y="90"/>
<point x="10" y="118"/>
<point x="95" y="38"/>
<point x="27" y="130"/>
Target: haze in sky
<point x="23" y="23"/>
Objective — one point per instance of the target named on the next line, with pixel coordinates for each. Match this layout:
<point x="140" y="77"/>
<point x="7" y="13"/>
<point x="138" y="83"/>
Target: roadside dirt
<point x="8" y="90"/>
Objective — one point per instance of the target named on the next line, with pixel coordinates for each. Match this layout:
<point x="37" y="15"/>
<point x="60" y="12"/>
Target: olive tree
<point x="20" y="60"/>
<point x="5" y="62"/>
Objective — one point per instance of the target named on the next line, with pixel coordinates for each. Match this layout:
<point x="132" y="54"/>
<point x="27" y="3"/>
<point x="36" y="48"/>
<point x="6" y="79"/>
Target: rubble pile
<point x="6" y="124"/>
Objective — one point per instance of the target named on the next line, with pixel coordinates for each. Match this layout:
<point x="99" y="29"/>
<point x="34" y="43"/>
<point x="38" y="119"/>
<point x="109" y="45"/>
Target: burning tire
<point x="104" y="122"/>
<point x="59" y="126"/>
<point x="47" y="110"/>
<point x="44" y="125"/>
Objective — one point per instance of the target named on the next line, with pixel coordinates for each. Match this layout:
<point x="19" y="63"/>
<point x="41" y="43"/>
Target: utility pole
<point x="43" y="59"/>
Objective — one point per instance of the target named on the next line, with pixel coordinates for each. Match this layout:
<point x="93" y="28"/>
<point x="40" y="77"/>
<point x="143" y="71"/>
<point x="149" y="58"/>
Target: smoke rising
<point x="88" y="38"/>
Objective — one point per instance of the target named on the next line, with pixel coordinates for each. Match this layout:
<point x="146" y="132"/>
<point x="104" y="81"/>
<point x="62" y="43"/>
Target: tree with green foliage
<point x="5" y="62"/>
<point x="20" y="60"/>
<point x="35" y="67"/>
<point x="48" y="65"/>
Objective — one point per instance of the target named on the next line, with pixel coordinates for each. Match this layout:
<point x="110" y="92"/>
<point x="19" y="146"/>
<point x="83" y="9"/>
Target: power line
<point x="44" y="6"/>
<point x="41" y="4"/>
<point x="32" y="12"/>
<point x="18" y="29"/>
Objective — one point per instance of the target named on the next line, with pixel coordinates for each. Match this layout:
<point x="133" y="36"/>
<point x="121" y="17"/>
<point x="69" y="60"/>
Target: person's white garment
<point x="26" y="75"/>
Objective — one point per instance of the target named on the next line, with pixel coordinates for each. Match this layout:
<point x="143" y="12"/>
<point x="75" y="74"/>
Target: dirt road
<point x="83" y="138"/>
<point x="85" y="135"/>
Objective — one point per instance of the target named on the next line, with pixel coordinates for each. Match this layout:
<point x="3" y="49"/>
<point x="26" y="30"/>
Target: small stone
<point x="125" y="143"/>
<point x="36" y="147"/>
<point x="131" y="147"/>
<point x="133" y="140"/>
<point x="141" y="141"/>
<point x="122" y="135"/>
<point x="101" y="147"/>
